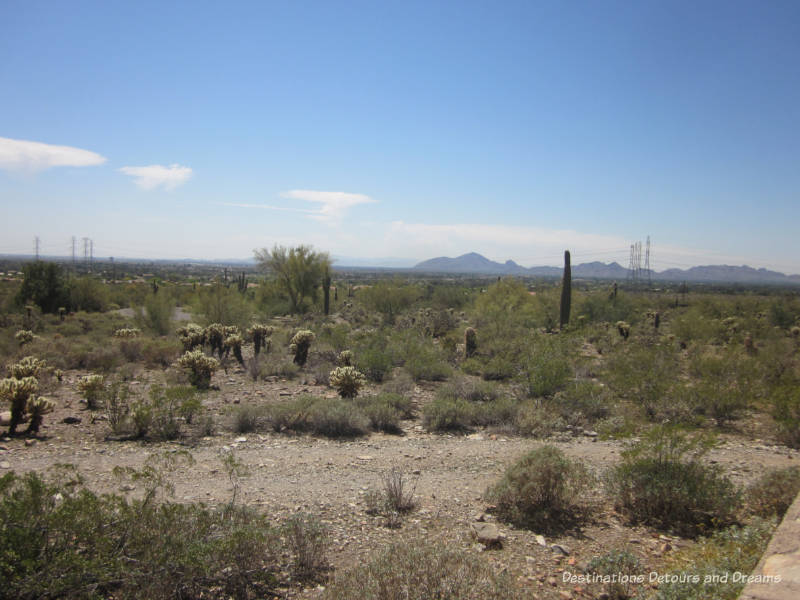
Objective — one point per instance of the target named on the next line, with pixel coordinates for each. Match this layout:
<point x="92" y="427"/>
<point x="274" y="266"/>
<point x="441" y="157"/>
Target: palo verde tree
<point x="299" y="271"/>
<point x="44" y="285"/>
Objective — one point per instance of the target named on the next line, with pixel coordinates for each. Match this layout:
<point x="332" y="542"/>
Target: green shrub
<point x="544" y="368"/>
<point x="661" y="481"/>
<point x="419" y="570"/>
<point x="308" y="542"/>
<point x="772" y="494"/>
<point x="541" y="490"/>
<point x="723" y="385"/>
<point x="91" y="387"/>
<point x="61" y="540"/>
<point x="373" y="359"/>
<point x="785" y="408"/>
<point x="537" y="421"/>
<point x="448" y="414"/>
<point x="715" y="559"/>
<point x="246" y="418"/>
<point x="336" y="418"/>
<point x="612" y="564"/>
<point x="382" y="414"/>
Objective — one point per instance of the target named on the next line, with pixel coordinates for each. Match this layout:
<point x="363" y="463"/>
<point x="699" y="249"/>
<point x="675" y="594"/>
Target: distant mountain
<point x="477" y="264"/>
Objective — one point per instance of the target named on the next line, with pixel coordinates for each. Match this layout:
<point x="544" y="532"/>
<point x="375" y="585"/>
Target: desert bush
<point x="373" y="358"/>
<point x="159" y="352"/>
<point x="382" y="413"/>
<point x="612" y="564"/>
<point x="396" y="497"/>
<point x="156" y="313"/>
<point x="117" y="405"/>
<point x="537" y="421"/>
<point x="723" y="385"/>
<point x="292" y="415"/>
<point x="662" y="481"/>
<point x="419" y="570"/>
<point x="716" y="558"/>
<point x="200" y="368"/>
<point x="389" y="298"/>
<point x="275" y="366"/>
<point x="447" y="413"/>
<point x="131" y="349"/>
<point x="308" y="541"/>
<point x="221" y="304"/>
<point x="300" y="344"/>
<point x="43" y="284"/>
<point x="423" y="361"/>
<point x="785" y="408"/>
<point x="336" y="418"/>
<point x="588" y="399"/>
<point x="772" y="494"/>
<point x="544" y="368"/>
<point x="347" y="381"/>
<point x="541" y="490"/>
<point x="246" y="418"/>
<point x="61" y="540"/>
<point x="91" y="387"/>
<point x="402" y="404"/>
<point x="401" y="384"/>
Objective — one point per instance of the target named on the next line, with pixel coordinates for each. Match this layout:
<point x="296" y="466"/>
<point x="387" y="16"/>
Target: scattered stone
<point x="241" y="440"/>
<point x="563" y="550"/>
<point x="5" y="465"/>
<point x="588" y="433"/>
<point x="30" y="442"/>
<point x="479" y="517"/>
<point x="128" y="487"/>
<point x="540" y="540"/>
<point x="488" y="534"/>
<point x="365" y="457"/>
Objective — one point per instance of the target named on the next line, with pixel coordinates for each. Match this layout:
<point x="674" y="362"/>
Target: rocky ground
<point x="332" y="480"/>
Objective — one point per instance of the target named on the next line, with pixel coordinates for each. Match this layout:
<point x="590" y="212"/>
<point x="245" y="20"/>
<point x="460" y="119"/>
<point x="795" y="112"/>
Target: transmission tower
<point x="86" y="252"/>
<point x="635" y="264"/>
<point x="73" y="252"/>
<point x="36" y="242"/>
<point x="647" y="262"/>
<point x="91" y="256"/>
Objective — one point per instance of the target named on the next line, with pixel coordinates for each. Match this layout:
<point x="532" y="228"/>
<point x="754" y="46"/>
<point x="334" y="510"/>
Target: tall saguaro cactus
<point x="566" y="291"/>
<point x="326" y="289"/>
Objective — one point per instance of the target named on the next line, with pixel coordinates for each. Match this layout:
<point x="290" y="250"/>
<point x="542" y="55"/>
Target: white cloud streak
<point x="333" y="205"/>
<point x="24" y="155"/>
<point x="153" y="176"/>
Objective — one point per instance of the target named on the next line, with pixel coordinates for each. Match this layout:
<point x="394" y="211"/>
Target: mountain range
<point x="474" y="263"/>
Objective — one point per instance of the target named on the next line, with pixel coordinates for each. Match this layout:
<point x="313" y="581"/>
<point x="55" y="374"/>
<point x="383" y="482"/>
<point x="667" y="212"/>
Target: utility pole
<point x="36" y="241"/>
<point x="86" y="253"/>
<point x="113" y="271"/>
<point x="91" y="256"/>
<point x="73" y="252"/>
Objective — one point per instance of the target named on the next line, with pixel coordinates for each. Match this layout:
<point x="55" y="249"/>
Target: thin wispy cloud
<point x="333" y="205"/>
<point x="267" y="207"/>
<point x="154" y="176"/>
<point x="24" y="155"/>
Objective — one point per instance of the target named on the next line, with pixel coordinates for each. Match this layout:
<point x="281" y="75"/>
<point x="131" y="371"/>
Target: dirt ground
<point x="331" y="479"/>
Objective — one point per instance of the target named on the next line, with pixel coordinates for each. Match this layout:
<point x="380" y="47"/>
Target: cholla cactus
<point x="470" y="342"/>
<point x="200" y="367"/>
<point x="24" y="336"/>
<point x="17" y="392"/>
<point x="260" y="333"/>
<point x="624" y="329"/>
<point x="795" y="331"/>
<point x="345" y="358"/>
<point x="300" y="344"/>
<point x="749" y="344"/>
<point x="191" y="336"/>
<point x="234" y="343"/>
<point x="37" y="407"/>
<point x="91" y="388"/>
<point x="27" y="367"/>
<point x="59" y="374"/>
<point x="215" y="338"/>
<point x="347" y="381"/>
<point x="128" y="332"/>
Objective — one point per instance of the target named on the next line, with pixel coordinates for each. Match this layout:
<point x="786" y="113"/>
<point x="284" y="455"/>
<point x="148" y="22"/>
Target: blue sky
<point x="404" y="129"/>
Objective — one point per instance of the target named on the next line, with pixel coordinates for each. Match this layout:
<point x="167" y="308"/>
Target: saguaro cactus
<point x="326" y="289"/>
<point x="566" y="291"/>
<point x="470" y="342"/>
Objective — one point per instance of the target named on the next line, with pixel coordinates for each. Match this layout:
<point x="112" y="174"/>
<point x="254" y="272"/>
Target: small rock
<point x="365" y="457"/>
<point x="488" y="534"/>
<point x="5" y="465"/>
<point x="540" y="540"/>
<point x="30" y="443"/>
<point x="128" y="487"/>
<point x="565" y="594"/>
<point x="479" y="517"/>
<point x="71" y="420"/>
<point x="241" y="440"/>
<point x="589" y="433"/>
<point x="560" y="549"/>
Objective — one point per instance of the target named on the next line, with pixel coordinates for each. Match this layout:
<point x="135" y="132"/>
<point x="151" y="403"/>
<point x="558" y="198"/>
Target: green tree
<point x="43" y="284"/>
<point x="299" y="271"/>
